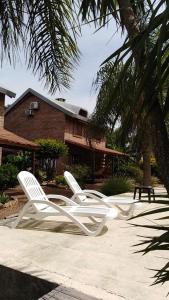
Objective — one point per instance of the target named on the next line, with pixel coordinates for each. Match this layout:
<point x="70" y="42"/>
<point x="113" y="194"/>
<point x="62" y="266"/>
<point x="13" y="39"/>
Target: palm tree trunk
<point x="146" y="147"/>
<point x="160" y="143"/>
<point x="146" y="152"/>
<point x="130" y="22"/>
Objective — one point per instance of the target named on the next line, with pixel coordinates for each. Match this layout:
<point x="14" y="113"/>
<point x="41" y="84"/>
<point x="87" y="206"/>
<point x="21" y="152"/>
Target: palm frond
<point x="98" y="10"/>
<point x="156" y="243"/>
<point x="51" y="49"/>
<point x="11" y="25"/>
<point x="46" y="29"/>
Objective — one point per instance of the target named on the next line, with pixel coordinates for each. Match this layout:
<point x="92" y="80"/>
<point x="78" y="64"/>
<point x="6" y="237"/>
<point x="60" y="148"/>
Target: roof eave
<point x="7" y="92"/>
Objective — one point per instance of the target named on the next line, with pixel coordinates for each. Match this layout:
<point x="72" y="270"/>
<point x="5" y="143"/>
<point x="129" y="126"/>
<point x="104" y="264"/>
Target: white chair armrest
<point x="95" y="193"/>
<point x="35" y="201"/>
<point x="63" y="198"/>
<point x="90" y="196"/>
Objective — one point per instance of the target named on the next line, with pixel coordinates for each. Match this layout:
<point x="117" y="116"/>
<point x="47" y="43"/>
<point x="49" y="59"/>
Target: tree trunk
<point x="146" y="147"/>
<point x="160" y="143"/>
<point x="130" y="22"/>
<point x="146" y="166"/>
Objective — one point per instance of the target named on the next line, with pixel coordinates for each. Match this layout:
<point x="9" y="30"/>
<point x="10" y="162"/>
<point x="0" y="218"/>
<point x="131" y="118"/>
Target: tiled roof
<point x="67" y="108"/>
<point x="10" y="140"/>
<point x="97" y="149"/>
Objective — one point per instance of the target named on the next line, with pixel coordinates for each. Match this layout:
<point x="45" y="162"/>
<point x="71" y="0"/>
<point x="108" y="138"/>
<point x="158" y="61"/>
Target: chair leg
<point x="126" y="214"/>
<point x="153" y="195"/>
<point x="134" y="194"/>
<point x="149" y="196"/>
<point x="20" y="216"/>
<point x="82" y="226"/>
<point x="86" y="230"/>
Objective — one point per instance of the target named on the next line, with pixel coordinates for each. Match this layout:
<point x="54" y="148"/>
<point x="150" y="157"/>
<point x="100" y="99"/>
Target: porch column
<point x="2" y="111"/>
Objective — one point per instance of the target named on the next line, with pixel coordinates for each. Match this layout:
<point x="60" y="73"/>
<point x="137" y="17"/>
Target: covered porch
<point x="102" y="161"/>
<point x="10" y="141"/>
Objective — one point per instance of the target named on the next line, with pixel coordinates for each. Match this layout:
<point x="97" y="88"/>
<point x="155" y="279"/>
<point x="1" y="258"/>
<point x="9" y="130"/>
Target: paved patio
<point x="102" y="267"/>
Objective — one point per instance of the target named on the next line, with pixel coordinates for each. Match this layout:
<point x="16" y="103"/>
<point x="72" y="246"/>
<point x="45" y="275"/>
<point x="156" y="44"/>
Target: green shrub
<point x="60" y="180"/>
<point x="134" y="172"/>
<point x="41" y="175"/>
<point x="4" y="198"/>
<point x="8" y="176"/>
<point x="22" y="160"/>
<point x="116" y="185"/>
<point x="81" y="172"/>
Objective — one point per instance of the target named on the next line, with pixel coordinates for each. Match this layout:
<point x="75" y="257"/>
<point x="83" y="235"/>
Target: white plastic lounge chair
<point x="92" y="197"/>
<point x="39" y="206"/>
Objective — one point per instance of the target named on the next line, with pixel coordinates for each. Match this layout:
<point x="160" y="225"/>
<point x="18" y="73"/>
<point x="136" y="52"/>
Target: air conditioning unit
<point x="34" y="105"/>
<point x="29" y="112"/>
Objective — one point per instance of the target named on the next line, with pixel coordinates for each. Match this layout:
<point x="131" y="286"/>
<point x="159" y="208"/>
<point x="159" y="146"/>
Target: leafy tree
<point x="48" y="152"/>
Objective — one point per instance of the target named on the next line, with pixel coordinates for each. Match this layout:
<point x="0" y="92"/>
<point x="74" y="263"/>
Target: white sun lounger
<point x="92" y="197"/>
<point x="39" y="207"/>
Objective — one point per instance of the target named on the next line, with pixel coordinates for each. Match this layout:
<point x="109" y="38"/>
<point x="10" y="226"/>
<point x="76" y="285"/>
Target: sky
<point x="94" y="47"/>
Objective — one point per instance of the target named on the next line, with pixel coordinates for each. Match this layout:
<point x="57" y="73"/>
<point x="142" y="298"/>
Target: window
<point x="77" y="128"/>
<point x="83" y="113"/>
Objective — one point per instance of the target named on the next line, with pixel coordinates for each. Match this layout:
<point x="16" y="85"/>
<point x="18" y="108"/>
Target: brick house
<point x="34" y="116"/>
<point x="8" y="140"/>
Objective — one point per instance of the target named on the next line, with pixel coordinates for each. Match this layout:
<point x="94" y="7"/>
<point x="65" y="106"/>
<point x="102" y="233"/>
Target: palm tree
<point x="152" y="68"/>
<point x="114" y="109"/>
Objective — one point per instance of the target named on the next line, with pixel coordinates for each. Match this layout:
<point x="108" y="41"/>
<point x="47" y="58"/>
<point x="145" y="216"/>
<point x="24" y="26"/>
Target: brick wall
<point x="71" y="135"/>
<point x="2" y="109"/>
<point x="2" y="105"/>
<point x="47" y="121"/>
